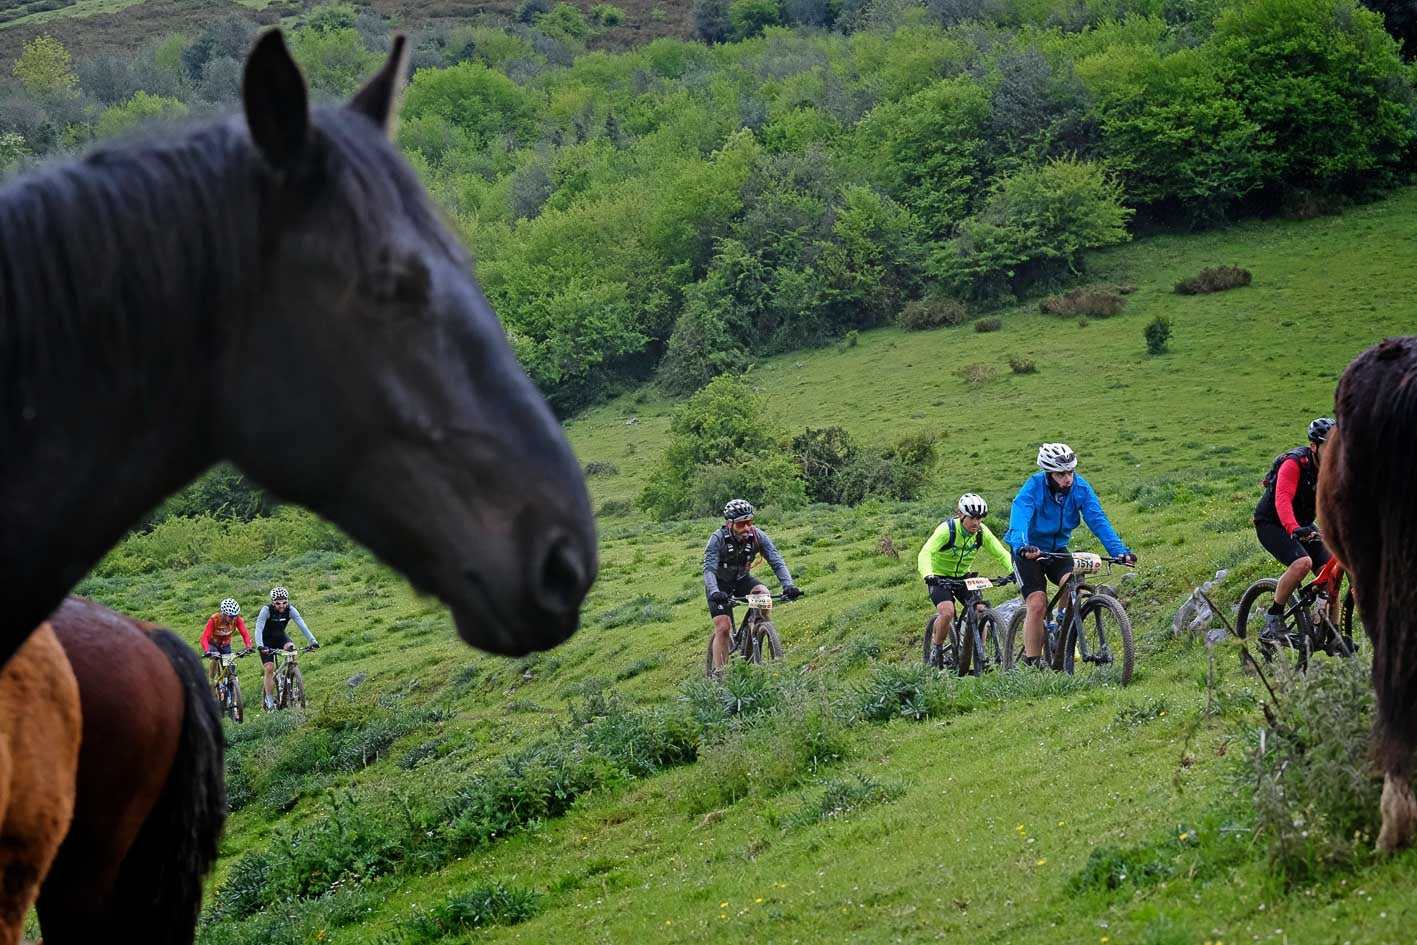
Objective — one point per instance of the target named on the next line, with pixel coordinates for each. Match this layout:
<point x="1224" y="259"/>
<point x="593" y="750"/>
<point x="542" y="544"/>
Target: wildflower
<point x="1042" y="861"/>
<point x="723" y="905"/>
<point x="1184" y="836"/>
<point x="758" y="900"/>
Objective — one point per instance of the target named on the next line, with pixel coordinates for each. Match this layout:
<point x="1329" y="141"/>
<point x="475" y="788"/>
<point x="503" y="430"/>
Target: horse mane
<point x="1376" y="407"/>
<point x="134" y="251"/>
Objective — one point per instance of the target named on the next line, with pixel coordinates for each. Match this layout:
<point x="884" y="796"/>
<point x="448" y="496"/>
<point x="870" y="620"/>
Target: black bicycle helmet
<point x="1320" y="429"/>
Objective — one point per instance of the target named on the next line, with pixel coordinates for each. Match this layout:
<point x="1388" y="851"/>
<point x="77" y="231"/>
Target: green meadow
<point x="603" y="792"/>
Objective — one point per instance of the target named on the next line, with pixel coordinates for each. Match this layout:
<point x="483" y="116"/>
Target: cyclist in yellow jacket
<point x="949" y="552"/>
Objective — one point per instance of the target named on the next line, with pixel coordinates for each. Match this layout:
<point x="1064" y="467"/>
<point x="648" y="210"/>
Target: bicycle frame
<point x="1068" y="638"/>
<point x="1317" y="627"/>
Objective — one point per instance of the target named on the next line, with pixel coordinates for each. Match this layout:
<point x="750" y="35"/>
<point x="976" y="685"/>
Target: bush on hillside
<point x="932" y="312"/>
<point x="1214" y="279"/>
<point x="1315" y="791"/>
<point x="1158" y="335"/>
<point x="985" y="325"/>
<point x="721" y="447"/>
<point x="1096" y="301"/>
<point x="1022" y="365"/>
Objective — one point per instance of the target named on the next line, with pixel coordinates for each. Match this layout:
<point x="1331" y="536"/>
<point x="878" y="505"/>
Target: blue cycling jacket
<point x="1046" y="519"/>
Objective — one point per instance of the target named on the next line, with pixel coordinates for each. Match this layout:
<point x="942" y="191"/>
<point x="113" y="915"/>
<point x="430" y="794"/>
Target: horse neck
<point x="109" y="275"/>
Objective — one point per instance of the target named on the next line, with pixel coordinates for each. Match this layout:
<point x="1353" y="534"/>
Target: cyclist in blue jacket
<point x="1049" y="505"/>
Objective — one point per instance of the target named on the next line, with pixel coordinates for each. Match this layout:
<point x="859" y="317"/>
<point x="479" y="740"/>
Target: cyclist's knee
<point x="1036" y="602"/>
<point x="1302" y="565"/>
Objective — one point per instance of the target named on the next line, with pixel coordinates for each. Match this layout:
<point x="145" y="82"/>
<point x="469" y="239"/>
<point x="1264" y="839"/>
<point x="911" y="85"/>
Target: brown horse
<point x="151" y="797"/>
<point x="138" y="285"/>
<point x="39" y="752"/>
<point x="1369" y="515"/>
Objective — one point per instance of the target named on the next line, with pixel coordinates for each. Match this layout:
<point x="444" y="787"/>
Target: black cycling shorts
<point x="736" y="588"/>
<point x="1035" y="575"/>
<point x="1287" y="550"/>
<point x="271" y="646"/>
<point x="938" y="594"/>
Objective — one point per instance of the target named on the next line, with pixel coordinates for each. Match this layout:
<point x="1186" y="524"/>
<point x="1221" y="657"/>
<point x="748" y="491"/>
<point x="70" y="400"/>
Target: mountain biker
<point x="1049" y="505"/>
<point x="271" y="635"/>
<point x="216" y="638"/>
<point x="1284" y="523"/>
<point x="949" y="552"/>
<point x="728" y="560"/>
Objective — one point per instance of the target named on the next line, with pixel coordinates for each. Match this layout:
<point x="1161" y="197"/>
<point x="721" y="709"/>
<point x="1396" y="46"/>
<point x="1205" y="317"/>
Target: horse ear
<point x="277" y="107"/>
<point x="380" y="96"/>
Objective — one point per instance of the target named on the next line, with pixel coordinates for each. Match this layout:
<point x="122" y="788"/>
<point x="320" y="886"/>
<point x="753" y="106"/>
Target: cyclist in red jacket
<point x="1284" y="523"/>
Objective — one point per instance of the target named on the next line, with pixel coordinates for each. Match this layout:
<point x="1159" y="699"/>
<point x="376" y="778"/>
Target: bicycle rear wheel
<point x="1013" y="639"/>
<point x="235" y="706"/>
<point x="1104" y="647"/>
<point x="1351" y="621"/>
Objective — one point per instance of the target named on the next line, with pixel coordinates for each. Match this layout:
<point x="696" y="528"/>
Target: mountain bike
<point x="228" y="688"/>
<point x="1307" y="626"/>
<point x="286" y="680"/>
<point x="973" y="642"/>
<point x="1091" y="629"/>
<point x="753" y="632"/>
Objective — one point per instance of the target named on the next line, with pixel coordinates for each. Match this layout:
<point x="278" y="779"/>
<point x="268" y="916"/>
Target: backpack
<point x="978" y="537"/>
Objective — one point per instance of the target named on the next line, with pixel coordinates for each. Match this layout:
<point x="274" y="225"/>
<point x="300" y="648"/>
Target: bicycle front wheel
<point x="297" y="688"/>
<point x="235" y="706"/>
<point x="766" y="640"/>
<point x="1105" y="647"/>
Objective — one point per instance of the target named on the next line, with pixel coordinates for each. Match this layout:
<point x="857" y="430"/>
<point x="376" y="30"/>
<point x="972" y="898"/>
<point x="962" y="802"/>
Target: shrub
<point x="1158" y="334"/>
<point x="1089" y="300"/>
<point x="1022" y="365"/>
<point x="1315" y="791"/>
<point x="593" y="469"/>
<point x="1214" y="279"/>
<point x="926" y="313"/>
<point x="823" y="456"/>
<point x="485" y="904"/>
<point x="912" y="692"/>
<point x="976" y="374"/>
<point x="607" y="15"/>
<point x="843" y="796"/>
<point x="985" y="325"/>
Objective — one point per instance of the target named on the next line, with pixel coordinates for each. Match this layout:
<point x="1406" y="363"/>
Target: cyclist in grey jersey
<point x="276" y="616"/>
<point x="728" y="562"/>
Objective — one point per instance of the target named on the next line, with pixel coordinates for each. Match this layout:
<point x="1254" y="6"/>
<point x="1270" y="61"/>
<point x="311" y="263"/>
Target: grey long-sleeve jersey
<point x="715" y="569"/>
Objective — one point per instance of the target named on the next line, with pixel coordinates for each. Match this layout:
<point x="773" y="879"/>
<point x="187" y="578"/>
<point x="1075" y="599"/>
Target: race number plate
<point x="760" y="601"/>
<point x="1086" y="562"/>
<point x="978" y="583"/>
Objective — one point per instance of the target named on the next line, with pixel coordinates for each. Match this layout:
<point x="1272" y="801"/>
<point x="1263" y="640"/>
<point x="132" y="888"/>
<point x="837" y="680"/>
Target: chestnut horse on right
<point x="1369" y="510"/>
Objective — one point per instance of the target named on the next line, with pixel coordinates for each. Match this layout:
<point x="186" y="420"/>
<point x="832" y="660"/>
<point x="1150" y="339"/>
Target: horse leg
<point x="38" y="770"/>
<point x="1399" y="809"/>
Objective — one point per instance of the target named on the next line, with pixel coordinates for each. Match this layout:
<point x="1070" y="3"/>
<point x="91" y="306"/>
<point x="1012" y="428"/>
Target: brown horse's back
<point x="40" y="729"/>
<point x="132" y="702"/>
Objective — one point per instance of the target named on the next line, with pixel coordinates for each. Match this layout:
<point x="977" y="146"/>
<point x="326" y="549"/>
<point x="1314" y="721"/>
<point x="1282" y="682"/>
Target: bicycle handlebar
<point x="937" y="581"/>
<point x="774" y="597"/>
<point x="1069" y="556"/>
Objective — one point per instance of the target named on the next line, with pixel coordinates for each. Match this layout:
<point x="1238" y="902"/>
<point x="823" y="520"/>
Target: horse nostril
<point x="563" y="577"/>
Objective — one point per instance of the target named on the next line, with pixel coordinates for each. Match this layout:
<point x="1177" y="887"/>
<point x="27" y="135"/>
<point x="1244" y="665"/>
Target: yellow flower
<point x="668" y="921"/>
<point x="1185" y="836"/>
<point x="759" y="899"/>
<point x="1104" y="939"/>
<point x="1061" y="822"/>
<point x="723" y="905"/>
<point x="1042" y="861"/>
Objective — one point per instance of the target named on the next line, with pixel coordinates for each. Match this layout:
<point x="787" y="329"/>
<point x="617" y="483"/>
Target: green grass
<point x="1010" y="813"/>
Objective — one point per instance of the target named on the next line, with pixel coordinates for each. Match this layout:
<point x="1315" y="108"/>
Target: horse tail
<point x="162" y="875"/>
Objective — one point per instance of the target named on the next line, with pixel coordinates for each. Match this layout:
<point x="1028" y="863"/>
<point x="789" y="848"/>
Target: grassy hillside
<point x="640" y="804"/>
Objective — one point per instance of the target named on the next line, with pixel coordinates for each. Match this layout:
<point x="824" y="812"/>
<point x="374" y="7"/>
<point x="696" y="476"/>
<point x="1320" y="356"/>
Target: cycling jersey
<point x="950" y="550"/>
<point x="1290" y="490"/>
<point x="220" y="628"/>
<point x="1045" y="517"/>
<point x="271" y="626"/>
<point x="727" y="558"/>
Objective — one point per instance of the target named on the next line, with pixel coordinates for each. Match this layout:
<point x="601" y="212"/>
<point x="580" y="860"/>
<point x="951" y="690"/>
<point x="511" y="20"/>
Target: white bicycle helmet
<point x="229" y="607"/>
<point x="1320" y="429"/>
<point x="1057" y="457"/>
<point x="972" y="505"/>
<point x="279" y="593"/>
